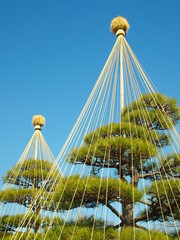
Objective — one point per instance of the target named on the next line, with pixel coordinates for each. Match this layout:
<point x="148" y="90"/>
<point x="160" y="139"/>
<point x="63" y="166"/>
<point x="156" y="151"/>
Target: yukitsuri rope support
<point x="120" y="26"/>
<point x="38" y="121"/>
<point x="91" y="139"/>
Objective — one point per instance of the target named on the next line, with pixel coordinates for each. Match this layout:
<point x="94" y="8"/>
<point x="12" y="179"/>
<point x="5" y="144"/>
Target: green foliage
<point x="171" y="164"/>
<point x="19" y="195"/>
<point x="163" y="187"/>
<point x="107" y="152"/>
<point x="84" y="233"/>
<point x="30" y="173"/>
<point x="164" y="197"/>
<point x="28" y="178"/>
<point x="128" y="234"/>
<point x="117" y="145"/>
<point x="128" y="129"/>
<point x="76" y="188"/>
<point x="130" y="148"/>
<point x="155" y="111"/>
<point x="20" y="236"/>
<point x="28" y="220"/>
<point x="137" y="137"/>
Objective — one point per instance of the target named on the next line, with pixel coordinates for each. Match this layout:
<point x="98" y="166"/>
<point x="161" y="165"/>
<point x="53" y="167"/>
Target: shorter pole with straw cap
<point x="38" y="121"/>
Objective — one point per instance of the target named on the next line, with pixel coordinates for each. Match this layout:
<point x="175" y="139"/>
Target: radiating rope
<point x="103" y="107"/>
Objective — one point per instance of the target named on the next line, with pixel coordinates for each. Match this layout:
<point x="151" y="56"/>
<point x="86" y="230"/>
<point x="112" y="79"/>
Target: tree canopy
<point x="29" y="185"/>
<point x="133" y="147"/>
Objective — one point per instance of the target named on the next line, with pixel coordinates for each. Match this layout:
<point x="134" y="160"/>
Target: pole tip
<point x="38" y="121"/>
<point x="119" y="26"/>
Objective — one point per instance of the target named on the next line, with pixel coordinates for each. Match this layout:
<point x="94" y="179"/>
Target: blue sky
<point x="52" y="52"/>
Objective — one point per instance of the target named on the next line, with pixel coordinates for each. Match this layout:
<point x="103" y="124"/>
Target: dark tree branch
<point x="115" y="211"/>
<point x="144" y="217"/>
<point x="141" y="218"/>
<point x="141" y="227"/>
<point x="118" y="225"/>
<point x="146" y="203"/>
<point x="149" y="175"/>
<point x="8" y="228"/>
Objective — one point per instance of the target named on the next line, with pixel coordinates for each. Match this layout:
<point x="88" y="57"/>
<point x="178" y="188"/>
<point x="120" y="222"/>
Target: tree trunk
<point x="37" y="211"/>
<point x="128" y="208"/>
<point x="127" y="213"/>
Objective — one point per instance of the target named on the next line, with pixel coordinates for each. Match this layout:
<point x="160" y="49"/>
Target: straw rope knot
<point x="119" y="26"/>
<point x="38" y="121"/>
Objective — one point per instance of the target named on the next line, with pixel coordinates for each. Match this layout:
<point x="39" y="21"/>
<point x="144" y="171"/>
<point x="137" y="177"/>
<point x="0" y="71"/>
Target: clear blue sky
<point x="52" y="52"/>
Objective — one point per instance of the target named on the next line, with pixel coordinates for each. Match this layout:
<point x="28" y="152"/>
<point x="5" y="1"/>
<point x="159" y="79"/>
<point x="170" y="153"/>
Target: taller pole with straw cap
<point x="120" y="26"/>
<point x="38" y="121"/>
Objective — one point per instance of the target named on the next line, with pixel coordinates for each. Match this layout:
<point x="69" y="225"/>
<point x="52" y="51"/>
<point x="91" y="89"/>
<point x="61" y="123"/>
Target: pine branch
<point x="143" y="217"/>
<point x="141" y="227"/>
<point x="146" y="203"/>
<point x="115" y="211"/>
<point x="118" y="225"/>
<point x="147" y="175"/>
<point x="8" y="228"/>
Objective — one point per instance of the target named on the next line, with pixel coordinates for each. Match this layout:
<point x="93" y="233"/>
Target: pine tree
<point x="25" y="181"/>
<point x="132" y="148"/>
